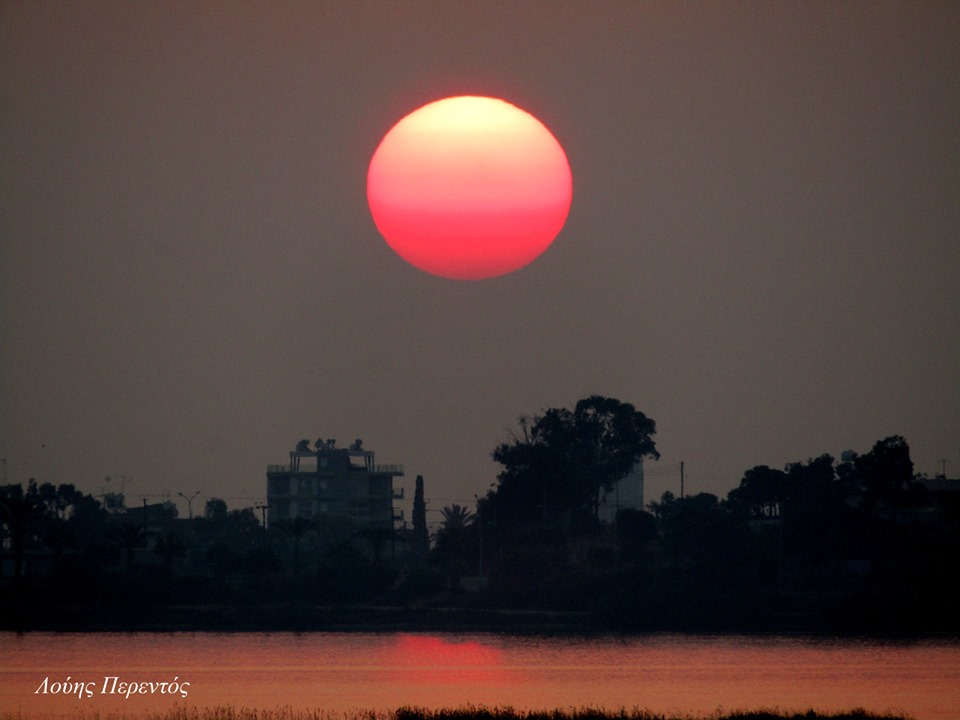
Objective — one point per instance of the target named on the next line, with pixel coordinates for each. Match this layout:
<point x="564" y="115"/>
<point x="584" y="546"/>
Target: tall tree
<point x="455" y="520"/>
<point x="762" y="491"/>
<point x="20" y="513"/>
<point x="58" y="499"/>
<point x="450" y="543"/>
<point x="887" y="471"/>
<point x="421" y="538"/>
<point x="215" y="509"/>
<point x="562" y="461"/>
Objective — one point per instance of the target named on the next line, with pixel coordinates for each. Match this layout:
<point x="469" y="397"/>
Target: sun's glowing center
<point x="469" y="187"/>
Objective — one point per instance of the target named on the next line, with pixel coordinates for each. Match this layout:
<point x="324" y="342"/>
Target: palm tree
<point x="450" y="539"/>
<point x="296" y="528"/>
<point x="455" y="517"/>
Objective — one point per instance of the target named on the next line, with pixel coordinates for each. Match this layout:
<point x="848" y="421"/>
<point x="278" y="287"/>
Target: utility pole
<point x="681" y="478"/>
<point x="189" y="502"/>
<point x="144" y="498"/>
<point x="943" y="469"/>
<point x="263" y="507"/>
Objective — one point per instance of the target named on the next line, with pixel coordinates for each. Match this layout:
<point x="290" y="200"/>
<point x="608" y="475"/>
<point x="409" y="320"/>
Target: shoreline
<point x="300" y="618"/>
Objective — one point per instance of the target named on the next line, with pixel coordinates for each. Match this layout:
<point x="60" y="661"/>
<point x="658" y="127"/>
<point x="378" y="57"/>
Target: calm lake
<point x="345" y="671"/>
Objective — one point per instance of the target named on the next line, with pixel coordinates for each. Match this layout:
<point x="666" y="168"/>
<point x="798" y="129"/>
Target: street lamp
<point x="189" y="501"/>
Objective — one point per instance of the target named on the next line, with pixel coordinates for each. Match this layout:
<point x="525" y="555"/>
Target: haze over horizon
<point x="762" y="254"/>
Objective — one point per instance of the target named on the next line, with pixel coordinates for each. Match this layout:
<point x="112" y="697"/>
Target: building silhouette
<point x="626" y="494"/>
<point x="327" y="481"/>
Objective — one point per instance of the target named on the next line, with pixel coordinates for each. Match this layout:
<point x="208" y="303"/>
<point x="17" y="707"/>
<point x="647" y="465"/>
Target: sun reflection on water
<point x="342" y="672"/>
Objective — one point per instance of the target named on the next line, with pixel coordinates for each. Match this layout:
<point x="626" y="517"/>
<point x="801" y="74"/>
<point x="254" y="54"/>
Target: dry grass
<point x="469" y="712"/>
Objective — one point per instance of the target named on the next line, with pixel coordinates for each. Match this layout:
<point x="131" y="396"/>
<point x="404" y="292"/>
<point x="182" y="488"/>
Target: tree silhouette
<point x="129" y="536"/>
<point x="378" y="536"/>
<point x="58" y="499"/>
<point x="170" y="547"/>
<point x="215" y="509"/>
<point x="561" y="462"/>
<point x="19" y="512"/>
<point x="450" y="544"/>
<point x="58" y="535"/>
<point x="296" y="528"/>
<point x="634" y="530"/>
<point x="887" y="471"/>
<point x="345" y="574"/>
<point x="761" y="492"/>
<point x="421" y="537"/>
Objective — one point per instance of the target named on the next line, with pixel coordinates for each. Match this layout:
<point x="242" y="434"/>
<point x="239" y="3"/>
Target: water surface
<point x="345" y="671"/>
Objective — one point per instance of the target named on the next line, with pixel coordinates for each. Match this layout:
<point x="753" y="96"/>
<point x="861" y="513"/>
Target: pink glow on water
<point x="343" y="672"/>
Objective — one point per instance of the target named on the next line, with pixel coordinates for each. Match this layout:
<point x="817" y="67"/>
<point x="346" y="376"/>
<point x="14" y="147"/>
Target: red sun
<point x="469" y="188"/>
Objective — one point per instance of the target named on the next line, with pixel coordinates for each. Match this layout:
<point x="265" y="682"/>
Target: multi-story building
<point x="628" y="493"/>
<point x="338" y="482"/>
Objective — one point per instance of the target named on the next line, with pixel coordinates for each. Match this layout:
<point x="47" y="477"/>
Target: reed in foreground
<point x="469" y="712"/>
<point x="507" y="713"/>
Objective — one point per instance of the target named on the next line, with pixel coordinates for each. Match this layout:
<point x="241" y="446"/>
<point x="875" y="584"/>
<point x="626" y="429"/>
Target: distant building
<point x="628" y="493"/>
<point x="940" y="485"/>
<point x="327" y="481"/>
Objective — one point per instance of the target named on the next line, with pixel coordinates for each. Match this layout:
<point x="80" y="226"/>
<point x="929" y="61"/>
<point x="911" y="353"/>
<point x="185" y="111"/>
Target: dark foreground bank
<point x="285" y="617"/>
<point x="227" y="712"/>
<point x="308" y="617"/>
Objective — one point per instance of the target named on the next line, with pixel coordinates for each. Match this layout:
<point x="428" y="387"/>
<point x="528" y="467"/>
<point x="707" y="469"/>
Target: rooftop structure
<point x="337" y="482"/>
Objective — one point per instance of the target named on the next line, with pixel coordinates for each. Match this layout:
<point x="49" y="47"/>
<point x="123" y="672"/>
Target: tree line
<point x="862" y="543"/>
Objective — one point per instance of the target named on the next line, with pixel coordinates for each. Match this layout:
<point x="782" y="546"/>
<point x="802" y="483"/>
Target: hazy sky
<point x="763" y="251"/>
